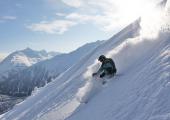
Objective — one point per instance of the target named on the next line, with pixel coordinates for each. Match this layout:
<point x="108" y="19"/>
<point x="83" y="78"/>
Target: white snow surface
<point x="139" y="91"/>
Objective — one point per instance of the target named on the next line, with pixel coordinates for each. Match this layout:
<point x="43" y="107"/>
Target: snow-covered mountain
<point x="23" y="82"/>
<point x="139" y="91"/>
<point x="22" y="59"/>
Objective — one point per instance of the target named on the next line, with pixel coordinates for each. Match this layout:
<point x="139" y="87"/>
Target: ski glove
<point x="102" y="75"/>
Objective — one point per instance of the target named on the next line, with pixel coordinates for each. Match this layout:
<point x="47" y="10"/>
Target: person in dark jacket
<point x="107" y="68"/>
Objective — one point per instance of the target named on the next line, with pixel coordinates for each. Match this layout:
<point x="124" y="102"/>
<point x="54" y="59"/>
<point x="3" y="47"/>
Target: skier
<point x="107" y="68"/>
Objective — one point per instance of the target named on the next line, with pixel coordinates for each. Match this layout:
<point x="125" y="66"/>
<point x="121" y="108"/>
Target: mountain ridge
<point x="22" y="83"/>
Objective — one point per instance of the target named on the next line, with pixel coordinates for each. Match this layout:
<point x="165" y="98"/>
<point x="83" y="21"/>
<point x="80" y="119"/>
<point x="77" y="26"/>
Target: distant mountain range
<point x="22" y="71"/>
<point x="22" y="59"/>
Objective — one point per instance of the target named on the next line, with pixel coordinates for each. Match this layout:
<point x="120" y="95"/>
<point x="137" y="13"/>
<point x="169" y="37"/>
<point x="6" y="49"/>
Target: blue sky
<point x="62" y="25"/>
<point x="17" y="15"/>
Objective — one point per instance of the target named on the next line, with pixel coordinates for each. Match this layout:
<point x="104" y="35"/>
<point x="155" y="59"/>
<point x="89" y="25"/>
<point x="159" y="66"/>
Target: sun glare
<point x="151" y="23"/>
<point x="130" y="10"/>
<point x="148" y="11"/>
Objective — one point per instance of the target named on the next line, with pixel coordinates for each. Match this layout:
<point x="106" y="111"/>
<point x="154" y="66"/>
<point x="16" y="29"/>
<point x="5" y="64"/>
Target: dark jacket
<point x="107" y="67"/>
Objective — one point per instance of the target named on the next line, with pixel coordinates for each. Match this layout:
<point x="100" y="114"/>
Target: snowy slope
<point x="140" y="91"/>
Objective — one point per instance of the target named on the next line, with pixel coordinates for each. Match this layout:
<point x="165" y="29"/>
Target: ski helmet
<point x="101" y="58"/>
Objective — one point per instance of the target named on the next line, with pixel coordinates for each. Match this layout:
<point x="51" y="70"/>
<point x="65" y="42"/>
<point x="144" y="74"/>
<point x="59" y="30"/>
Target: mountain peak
<point x="28" y="50"/>
<point x="23" y="58"/>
